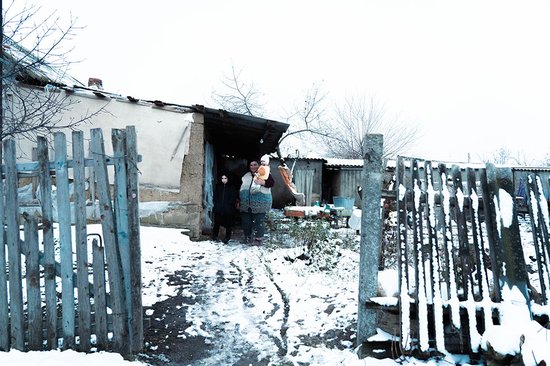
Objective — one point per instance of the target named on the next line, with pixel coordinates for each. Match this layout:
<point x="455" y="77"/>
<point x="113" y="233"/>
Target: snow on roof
<point x="352" y="163"/>
<point x="336" y="162"/>
<point x="30" y="68"/>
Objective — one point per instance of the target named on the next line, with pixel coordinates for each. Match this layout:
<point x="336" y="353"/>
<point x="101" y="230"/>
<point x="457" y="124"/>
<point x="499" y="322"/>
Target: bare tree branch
<point x="360" y="117"/>
<point x="308" y="119"/>
<point x="238" y="96"/>
<point x="34" y="65"/>
<point x="505" y="156"/>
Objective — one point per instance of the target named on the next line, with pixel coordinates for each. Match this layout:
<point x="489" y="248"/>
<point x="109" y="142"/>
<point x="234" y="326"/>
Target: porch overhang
<point x="240" y="135"/>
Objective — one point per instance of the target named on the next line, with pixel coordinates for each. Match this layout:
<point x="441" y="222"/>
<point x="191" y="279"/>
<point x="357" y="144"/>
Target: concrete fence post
<point x="373" y="176"/>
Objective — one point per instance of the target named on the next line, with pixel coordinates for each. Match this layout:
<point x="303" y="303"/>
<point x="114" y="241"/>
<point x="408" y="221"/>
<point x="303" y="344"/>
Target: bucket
<point x="345" y="202"/>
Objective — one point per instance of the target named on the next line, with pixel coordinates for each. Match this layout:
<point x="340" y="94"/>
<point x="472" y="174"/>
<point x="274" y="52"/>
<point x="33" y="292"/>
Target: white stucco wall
<point x="162" y="133"/>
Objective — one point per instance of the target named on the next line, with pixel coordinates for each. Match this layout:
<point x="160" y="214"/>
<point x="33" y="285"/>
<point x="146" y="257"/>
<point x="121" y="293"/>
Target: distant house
<point x="341" y="178"/>
<point x="183" y="147"/>
<point x="307" y="175"/>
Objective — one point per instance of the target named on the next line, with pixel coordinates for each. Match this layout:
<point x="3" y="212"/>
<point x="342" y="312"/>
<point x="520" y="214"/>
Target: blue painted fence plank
<point x="116" y="281"/>
<point x="46" y="204"/>
<point x="17" y="331"/>
<point x="65" y="240"/>
<point x="81" y="240"/>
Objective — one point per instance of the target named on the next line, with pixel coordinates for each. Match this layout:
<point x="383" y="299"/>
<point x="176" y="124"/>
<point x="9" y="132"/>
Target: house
<point x="182" y="147"/>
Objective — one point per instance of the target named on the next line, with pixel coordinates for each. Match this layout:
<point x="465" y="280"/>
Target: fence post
<point x="118" y="138"/>
<point x="373" y="175"/>
<point x="132" y="174"/>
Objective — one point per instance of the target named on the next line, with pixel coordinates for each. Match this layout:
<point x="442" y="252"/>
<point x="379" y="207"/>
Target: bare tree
<point x="356" y="119"/>
<point x="343" y="138"/>
<point x="307" y="120"/>
<point x="35" y="86"/>
<point x="241" y="97"/>
<point x="505" y="156"/>
<point x="238" y="96"/>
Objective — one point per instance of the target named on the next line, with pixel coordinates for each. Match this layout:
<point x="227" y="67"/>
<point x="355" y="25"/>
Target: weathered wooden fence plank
<point x="17" y="330"/>
<point x="403" y="254"/>
<point x="449" y="245"/>
<point x="420" y="269"/>
<point x="461" y="201"/>
<point x="429" y="215"/>
<point x="46" y="205"/>
<point x="4" y="314"/>
<point x="462" y="230"/>
<point x="118" y="138"/>
<point x="483" y="293"/>
<point x="100" y="304"/>
<point x="515" y="275"/>
<point x="539" y="229"/>
<point x="136" y="326"/>
<point x="489" y="190"/>
<point x="116" y="280"/>
<point x="65" y="240"/>
<point x="81" y="241"/>
<point x="435" y="265"/>
<point x="32" y="274"/>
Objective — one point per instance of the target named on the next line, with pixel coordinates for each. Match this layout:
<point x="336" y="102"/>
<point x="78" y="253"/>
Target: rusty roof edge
<point x="221" y="113"/>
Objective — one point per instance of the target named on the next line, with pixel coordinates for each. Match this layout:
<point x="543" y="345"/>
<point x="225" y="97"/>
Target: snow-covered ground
<point x="248" y="303"/>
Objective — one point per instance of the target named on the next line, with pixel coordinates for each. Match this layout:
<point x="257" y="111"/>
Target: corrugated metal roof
<point x="343" y="163"/>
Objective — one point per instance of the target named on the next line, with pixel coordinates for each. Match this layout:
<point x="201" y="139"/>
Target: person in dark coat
<point x="225" y="201"/>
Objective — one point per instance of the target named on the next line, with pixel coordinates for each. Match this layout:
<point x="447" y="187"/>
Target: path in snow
<point x="235" y="304"/>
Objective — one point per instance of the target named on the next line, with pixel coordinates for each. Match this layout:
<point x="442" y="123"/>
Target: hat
<point x="265" y="158"/>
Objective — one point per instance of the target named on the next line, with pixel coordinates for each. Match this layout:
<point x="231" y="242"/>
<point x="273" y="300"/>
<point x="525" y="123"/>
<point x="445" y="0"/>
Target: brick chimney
<point x="95" y="83"/>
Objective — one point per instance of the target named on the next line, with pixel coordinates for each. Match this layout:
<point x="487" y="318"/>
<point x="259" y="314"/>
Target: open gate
<point x="60" y="285"/>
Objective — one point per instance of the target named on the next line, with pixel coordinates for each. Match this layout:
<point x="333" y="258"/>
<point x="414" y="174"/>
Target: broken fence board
<point x="116" y="281"/>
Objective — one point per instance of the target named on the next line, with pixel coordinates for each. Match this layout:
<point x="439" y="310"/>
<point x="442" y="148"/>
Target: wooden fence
<point x="460" y="253"/>
<point x="460" y="258"/>
<point x="61" y="287"/>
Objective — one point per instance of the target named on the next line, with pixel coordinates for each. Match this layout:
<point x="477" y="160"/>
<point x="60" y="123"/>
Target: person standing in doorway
<point x="225" y="202"/>
<point x="255" y="203"/>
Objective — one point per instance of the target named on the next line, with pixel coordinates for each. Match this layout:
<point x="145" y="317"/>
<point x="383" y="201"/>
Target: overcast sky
<point x="473" y="75"/>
